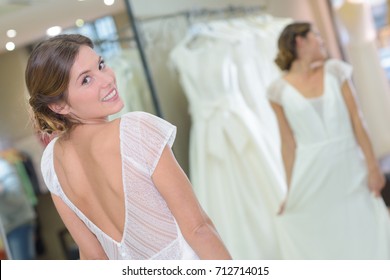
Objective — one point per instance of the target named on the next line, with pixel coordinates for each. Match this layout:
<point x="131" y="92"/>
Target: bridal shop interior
<point x="144" y="42"/>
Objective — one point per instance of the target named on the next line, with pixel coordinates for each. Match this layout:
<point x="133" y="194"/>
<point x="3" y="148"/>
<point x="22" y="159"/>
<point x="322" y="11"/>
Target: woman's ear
<point x="299" y="40"/>
<point x="62" y="109"/>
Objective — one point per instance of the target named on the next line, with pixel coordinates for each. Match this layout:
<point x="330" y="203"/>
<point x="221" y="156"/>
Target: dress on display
<point x="247" y="57"/>
<point x="330" y="212"/>
<point x="130" y="81"/>
<point x="150" y="231"/>
<point x="229" y="159"/>
<point x="372" y="85"/>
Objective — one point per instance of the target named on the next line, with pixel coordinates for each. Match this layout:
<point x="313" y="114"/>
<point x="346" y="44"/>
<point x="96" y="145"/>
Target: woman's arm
<point x="287" y="139"/>
<point x="376" y="179"/>
<point x="288" y="146"/>
<point x="197" y="228"/>
<point x="89" y="246"/>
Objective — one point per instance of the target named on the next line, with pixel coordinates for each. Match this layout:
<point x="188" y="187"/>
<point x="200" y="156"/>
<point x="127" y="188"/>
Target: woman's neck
<point x="304" y="67"/>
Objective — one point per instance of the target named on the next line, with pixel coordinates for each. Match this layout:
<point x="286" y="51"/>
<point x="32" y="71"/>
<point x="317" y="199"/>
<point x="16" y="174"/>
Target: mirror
<point x="150" y="76"/>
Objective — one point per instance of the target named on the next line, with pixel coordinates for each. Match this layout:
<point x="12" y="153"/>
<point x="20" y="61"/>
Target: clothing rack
<point x="190" y="15"/>
<point x="127" y="40"/>
<point x="120" y="40"/>
<point x="230" y="10"/>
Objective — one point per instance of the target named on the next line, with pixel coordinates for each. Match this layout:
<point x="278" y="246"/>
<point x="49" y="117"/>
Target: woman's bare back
<point x="89" y="169"/>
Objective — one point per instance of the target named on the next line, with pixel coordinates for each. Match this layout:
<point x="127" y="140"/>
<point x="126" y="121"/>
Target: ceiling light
<point x="10" y="46"/>
<point x="53" y="31"/>
<point x="11" y="33"/>
<point x="109" y="2"/>
<point x="79" y="22"/>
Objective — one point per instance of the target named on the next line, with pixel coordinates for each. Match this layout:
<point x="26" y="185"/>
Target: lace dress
<point x="150" y="231"/>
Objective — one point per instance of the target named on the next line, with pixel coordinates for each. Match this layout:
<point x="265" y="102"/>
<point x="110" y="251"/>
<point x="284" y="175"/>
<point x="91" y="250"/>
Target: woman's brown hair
<point x="287" y="43"/>
<point x="47" y="79"/>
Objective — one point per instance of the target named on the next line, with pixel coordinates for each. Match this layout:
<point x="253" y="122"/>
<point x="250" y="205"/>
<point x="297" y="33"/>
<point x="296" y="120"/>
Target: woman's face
<point x="316" y="45"/>
<point x="92" y="91"/>
<point x="312" y="46"/>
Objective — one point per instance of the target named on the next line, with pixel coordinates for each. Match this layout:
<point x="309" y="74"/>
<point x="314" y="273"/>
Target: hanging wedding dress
<point x="248" y="58"/>
<point x="257" y="70"/>
<point x="371" y="83"/>
<point x="130" y="81"/>
<point x="330" y="212"/>
<point x="229" y="168"/>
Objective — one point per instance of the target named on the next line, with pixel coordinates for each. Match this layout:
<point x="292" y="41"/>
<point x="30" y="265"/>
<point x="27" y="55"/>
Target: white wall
<point x="15" y="124"/>
<point x="13" y="115"/>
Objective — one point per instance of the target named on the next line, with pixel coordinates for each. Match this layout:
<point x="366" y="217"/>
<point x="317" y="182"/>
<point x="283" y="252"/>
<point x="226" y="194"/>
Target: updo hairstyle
<point x="47" y="78"/>
<point x="287" y="43"/>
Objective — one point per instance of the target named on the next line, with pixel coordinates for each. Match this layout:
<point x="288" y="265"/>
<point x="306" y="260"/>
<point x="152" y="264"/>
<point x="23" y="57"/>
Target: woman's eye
<point x="102" y="64"/>
<point x="86" y="80"/>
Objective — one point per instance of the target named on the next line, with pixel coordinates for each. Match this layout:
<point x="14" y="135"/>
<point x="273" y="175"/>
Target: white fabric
<point x="373" y="91"/>
<point x="130" y="80"/>
<point x="252" y="56"/>
<point x="358" y="21"/>
<point x="230" y="162"/>
<point x="372" y="85"/>
<point x="318" y="105"/>
<point x="330" y="212"/>
<point x="150" y="231"/>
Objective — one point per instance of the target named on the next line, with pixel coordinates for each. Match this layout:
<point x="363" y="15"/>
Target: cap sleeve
<point x="144" y="136"/>
<point x="274" y="91"/>
<point x="47" y="169"/>
<point x="340" y="69"/>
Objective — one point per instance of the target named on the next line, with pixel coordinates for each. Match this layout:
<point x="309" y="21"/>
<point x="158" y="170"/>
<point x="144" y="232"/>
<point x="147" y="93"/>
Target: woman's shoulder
<point x="334" y="63"/>
<point x="338" y="68"/>
<point x="142" y="118"/>
<point x="278" y="83"/>
<point x="47" y="167"/>
<point x="135" y="115"/>
<point x="48" y="150"/>
<point x="275" y="88"/>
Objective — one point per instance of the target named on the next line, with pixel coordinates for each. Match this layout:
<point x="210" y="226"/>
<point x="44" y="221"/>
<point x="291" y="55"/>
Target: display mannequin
<point x="369" y="76"/>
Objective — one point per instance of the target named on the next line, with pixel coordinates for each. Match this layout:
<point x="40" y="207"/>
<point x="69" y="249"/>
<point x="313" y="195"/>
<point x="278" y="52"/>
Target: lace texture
<point x="150" y="230"/>
<point x="337" y="68"/>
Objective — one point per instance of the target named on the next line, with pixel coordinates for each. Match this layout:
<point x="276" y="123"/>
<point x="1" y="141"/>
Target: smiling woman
<point x="105" y="175"/>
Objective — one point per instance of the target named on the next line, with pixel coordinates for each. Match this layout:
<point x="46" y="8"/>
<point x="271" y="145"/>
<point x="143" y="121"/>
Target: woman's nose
<point x="106" y="79"/>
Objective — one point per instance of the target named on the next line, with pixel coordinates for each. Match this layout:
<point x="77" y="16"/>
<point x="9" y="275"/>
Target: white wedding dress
<point x="229" y="159"/>
<point x="330" y="212"/>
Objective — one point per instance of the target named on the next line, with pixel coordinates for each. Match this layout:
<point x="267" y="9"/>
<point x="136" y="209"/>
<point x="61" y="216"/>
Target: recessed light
<point x="109" y="2"/>
<point x="53" y="31"/>
<point x="11" y="33"/>
<point x="79" y="22"/>
<point x="10" y="46"/>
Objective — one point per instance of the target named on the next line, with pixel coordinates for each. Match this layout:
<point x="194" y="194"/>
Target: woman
<point x="115" y="184"/>
<point x="333" y="208"/>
